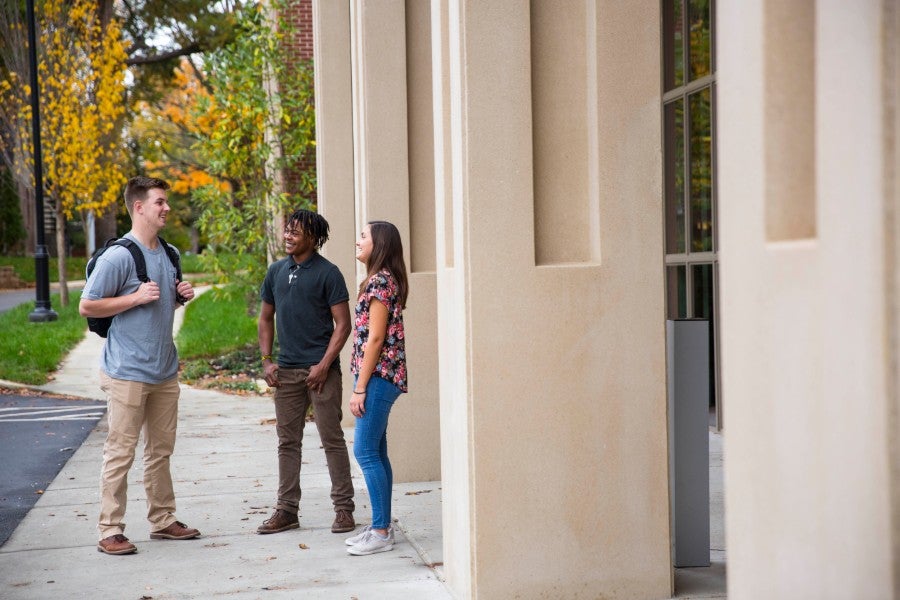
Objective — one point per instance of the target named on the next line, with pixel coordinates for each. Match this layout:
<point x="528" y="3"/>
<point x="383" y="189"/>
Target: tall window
<point x="689" y="108"/>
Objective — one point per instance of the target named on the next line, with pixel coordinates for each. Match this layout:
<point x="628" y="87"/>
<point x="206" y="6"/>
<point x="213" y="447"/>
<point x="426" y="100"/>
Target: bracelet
<point x="267" y="357"/>
<point x="362" y="393"/>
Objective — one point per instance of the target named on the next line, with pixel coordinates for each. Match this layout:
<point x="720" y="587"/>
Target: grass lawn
<point x="75" y="266"/>
<point x="217" y="342"/>
<point x="24" y="266"/>
<point x="29" y="352"/>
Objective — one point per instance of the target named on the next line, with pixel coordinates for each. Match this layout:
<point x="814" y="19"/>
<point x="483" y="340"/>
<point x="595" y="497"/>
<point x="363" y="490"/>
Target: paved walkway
<point x="225" y="479"/>
<point x="225" y="473"/>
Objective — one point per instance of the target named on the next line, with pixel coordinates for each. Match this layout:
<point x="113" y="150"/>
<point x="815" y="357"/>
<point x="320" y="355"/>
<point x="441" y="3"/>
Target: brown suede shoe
<point x="116" y="544"/>
<point x="281" y="520"/>
<point x="175" y="531"/>
<point x="343" y="522"/>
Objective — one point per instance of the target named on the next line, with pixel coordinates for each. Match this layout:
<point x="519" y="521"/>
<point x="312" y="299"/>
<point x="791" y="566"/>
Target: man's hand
<point x="185" y="290"/>
<point x="271" y="374"/>
<point x="316" y="378"/>
<point x="147" y="293"/>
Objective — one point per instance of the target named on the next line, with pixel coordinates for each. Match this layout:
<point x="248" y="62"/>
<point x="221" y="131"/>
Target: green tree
<point x="262" y="123"/>
<point x="12" y="232"/>
<point x="160" y="33"/>
<point x="165" y="45"/>
<point x="15" y="133"/>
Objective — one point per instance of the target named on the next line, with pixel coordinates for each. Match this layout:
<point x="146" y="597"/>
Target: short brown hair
<point x="138" y="187"/>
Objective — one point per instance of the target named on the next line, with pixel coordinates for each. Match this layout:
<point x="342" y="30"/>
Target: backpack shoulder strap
<point x="138" y="257"/>
<point x="173" y="256"/>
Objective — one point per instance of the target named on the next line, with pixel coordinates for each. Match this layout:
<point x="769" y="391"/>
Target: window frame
<point x="683" y="92"/>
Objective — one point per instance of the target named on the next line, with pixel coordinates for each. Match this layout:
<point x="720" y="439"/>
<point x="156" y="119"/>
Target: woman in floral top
<point x="379" y="367"/>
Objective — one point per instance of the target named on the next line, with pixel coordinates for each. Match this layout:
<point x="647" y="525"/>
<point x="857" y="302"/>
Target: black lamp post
<point x="42" y="310"/>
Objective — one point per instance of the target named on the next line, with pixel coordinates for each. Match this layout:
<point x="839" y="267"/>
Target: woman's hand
<point x="358" y="404"/>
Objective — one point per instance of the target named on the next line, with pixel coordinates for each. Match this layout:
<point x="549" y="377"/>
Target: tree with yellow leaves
<point x="81" y="72"/>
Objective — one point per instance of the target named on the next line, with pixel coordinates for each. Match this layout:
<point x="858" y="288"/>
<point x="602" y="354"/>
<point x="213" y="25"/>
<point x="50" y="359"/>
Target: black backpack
<point x="100" y="325"/>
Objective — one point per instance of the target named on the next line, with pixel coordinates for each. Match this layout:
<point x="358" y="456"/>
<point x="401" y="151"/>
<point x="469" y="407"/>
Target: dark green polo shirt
<point x="303" y="295"/>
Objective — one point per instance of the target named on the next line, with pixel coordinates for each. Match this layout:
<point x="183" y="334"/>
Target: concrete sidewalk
<point x="225" y="472"/>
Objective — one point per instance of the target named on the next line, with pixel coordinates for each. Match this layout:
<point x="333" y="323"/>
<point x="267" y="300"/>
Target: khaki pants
<point x="292" y="400"/>
<point x="133" y="407"/>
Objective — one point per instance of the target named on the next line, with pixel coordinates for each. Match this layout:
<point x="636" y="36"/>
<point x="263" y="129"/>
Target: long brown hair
<point x="387" y="253"/>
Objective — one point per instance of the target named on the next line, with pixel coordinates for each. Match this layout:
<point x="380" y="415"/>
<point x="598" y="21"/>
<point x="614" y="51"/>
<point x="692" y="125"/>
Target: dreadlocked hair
<point x="387" y="253"/>
<point x="312" y="224"/>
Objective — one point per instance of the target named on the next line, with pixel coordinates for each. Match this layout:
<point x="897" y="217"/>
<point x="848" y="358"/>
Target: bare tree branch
<point x="163" y="56"/>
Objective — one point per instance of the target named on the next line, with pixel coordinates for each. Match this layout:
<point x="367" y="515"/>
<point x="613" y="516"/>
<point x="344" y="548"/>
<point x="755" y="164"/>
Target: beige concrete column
<point x="806" y="270"/>
<point x="452" y="321"/>
<point x="415" y="431"/>
<point x="334" y="151"/>
<point x="392" y="136"/>
<point x="552" y="358"/>
<point x="890" y="35"/>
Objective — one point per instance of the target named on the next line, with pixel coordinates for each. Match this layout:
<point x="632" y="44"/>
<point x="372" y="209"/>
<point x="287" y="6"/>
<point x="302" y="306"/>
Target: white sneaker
<point x="372" y="544"/>
<point x="358" y="537"/>
<point x="352" y="541"/>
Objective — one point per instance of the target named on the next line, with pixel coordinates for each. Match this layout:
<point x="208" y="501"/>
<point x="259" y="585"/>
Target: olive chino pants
<point x="292" y="400"/>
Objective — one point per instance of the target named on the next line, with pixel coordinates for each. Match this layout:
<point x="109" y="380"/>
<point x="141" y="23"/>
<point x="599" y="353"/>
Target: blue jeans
<point x="370" y="448"/>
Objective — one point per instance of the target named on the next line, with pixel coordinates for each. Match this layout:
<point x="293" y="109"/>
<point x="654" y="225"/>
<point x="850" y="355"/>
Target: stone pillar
<point x="375" y="161"/>
<point x="808" y="221"/>
<point x="551" y="337"/>
<point x="334" y="152"/>
<point x="415" y="429"/>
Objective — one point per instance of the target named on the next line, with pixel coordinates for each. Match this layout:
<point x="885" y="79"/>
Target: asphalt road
<point x="11" y="298"/>
<point x="38" y="435"/>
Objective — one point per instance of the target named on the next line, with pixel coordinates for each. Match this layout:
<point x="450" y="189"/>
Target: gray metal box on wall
<point x="687" y="344"/>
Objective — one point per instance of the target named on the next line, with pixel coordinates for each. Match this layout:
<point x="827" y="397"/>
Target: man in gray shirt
<point x="138" y="368"/>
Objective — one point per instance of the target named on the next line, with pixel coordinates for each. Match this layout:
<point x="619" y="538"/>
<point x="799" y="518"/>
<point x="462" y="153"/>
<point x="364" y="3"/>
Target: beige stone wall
<point x="375" y="149"/>
<point x="552" y="361"/>
<point x="890" y="38"/>
<point x="805" y="271"/>
<point x="334" y="151"/>
<point x="415" y="426"/>
<point x="537" y="275"/>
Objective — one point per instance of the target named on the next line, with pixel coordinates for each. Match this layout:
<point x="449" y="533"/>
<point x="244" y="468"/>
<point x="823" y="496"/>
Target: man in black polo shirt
<point x="310" y="296"/>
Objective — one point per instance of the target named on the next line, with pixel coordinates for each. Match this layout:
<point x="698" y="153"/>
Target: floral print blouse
<point x="391" y="365"/>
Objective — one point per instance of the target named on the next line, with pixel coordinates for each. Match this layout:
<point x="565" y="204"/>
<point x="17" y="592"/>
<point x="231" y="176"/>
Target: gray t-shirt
<point x="139" y="345"/>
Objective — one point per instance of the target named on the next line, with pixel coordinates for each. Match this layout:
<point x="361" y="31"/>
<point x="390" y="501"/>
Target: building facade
<point x="568" y="174"/>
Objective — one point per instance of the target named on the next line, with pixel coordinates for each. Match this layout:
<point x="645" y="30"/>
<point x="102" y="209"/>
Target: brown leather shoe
<point x="116" y="544"/>
<point x="343" y="522"/>
<point x="175" y="531"/>
<point x="281" y="520"/>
